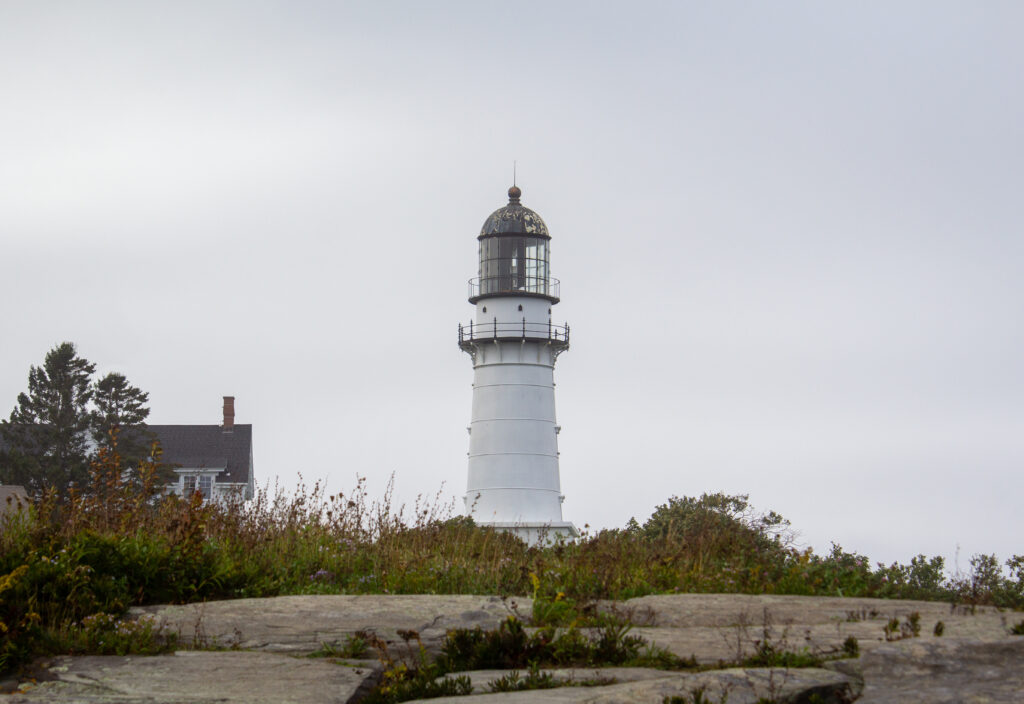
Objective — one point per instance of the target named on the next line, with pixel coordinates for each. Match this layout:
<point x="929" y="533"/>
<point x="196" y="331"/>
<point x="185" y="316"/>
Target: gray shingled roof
<point x="209" y="447"/>
<point x="204" y="447"/>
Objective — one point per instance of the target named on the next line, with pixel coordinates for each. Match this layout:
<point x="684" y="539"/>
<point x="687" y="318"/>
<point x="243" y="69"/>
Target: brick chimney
<point x="229" y="414"/>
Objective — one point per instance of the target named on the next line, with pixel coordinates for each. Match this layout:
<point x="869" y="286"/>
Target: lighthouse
<point x="513" y="483"/>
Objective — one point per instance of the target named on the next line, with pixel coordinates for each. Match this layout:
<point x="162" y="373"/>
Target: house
<point x="215" y="460"/>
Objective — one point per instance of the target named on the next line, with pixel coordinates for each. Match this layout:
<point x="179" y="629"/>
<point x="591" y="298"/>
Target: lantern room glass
<point x="514" y="264"/>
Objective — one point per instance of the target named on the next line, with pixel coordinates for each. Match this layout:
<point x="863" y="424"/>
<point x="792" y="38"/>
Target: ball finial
<point x="513" y="194"/>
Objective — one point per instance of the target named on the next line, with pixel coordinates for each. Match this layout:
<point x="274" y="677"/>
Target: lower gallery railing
<point x="500" y="330"/>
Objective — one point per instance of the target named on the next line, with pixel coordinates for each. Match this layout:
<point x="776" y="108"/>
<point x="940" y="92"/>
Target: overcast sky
<point x="789" y="237"/>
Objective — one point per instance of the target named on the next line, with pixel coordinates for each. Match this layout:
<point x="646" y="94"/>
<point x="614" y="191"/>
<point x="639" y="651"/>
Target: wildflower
<point x="320" y="575"/>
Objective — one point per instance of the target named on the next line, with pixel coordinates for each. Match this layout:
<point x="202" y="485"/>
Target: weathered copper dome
<point x="514" y="219"/>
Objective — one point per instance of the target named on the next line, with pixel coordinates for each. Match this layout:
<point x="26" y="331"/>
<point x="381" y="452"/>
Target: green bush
<point x="107" y="634"/>
<point x="19" y="624"/>
<point x="510" y="647"/>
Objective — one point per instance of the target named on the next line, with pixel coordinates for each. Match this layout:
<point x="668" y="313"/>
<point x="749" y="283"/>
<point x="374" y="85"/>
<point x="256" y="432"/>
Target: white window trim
<point x="199" y="473"/>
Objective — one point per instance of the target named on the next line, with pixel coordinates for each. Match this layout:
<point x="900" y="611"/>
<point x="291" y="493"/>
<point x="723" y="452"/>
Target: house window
<point x="203" y="483"/>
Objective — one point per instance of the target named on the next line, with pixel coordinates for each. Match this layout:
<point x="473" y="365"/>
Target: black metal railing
<point x="510" y="283"/>
<point x="495" y="330"/>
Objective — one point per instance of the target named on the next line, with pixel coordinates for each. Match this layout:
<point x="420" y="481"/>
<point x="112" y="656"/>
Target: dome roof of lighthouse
<point x="514" y="219"/>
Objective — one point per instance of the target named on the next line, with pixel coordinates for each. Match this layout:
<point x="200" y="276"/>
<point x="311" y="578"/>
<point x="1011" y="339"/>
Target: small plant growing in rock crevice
<point x="862" y="614"/>
<point x="851" y="648"/>
<point x="697" y="696"/>
<point x="354" y="647"/>
<point x="514" y="682"/>
<point x="769" y="654"/>
<point x="535" y="679"/>
<point x="658" y="658"/>
<point x="412" y="676"/>
<point x="913" y="624"/>
<point x="402" y="684"/>
<point x="892" y="629"/>
<point x="909" y="628"/>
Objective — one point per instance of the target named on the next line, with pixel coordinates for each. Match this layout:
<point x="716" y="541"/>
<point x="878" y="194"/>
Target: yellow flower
<point x="8" y="580"/>
<point x="535" y="580"/>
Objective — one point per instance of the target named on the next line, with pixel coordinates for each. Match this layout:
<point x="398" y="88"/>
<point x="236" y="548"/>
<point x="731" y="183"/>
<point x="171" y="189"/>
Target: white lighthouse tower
<point x="513" y="445"/>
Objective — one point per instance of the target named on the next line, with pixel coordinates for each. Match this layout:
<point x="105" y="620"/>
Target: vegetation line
<point x="71" y="566"/>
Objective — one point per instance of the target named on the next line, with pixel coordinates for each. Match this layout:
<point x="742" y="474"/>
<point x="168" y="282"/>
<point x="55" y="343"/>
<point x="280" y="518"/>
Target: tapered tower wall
<point x="513" y="446"/>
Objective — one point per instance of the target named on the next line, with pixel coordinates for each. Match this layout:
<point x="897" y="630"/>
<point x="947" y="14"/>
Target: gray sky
<point x="788" y="234"/>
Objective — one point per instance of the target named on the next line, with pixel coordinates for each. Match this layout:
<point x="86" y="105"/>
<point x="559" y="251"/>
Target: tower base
<point x="535" y="533"/>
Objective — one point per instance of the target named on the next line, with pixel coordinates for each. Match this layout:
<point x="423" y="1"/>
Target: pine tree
<point x="46" y="437"/>
<point x="121" y="408"/>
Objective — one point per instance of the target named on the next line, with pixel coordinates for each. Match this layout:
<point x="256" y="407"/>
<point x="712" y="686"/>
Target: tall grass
<point x="119" y="542"/>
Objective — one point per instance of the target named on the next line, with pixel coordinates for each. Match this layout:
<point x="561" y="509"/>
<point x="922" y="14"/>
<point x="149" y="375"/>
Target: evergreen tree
<point x="46" y="437"/>
<point x="121" y="408"/>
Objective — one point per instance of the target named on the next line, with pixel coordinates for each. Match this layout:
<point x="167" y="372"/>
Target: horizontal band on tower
<point x="511" y="488"/>
<point x="539" y="420"/>
<point x="516" y="454"/>
<point x="481" y="365"/>
<point x="488" y="386"/>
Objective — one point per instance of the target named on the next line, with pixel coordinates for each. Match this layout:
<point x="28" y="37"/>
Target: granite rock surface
<point x="975" y="659"/>
<point x="302" y="624"/>
<point x="203" y="677"/>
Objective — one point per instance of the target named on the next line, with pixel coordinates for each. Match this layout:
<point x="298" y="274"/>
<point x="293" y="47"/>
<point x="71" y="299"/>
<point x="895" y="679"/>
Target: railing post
<point x="495" y="327"/>
<point x="460" y="333"/>
<point x="524" y="327"/>
<point x="549" y="328"/>
<point x="470" y="330"/>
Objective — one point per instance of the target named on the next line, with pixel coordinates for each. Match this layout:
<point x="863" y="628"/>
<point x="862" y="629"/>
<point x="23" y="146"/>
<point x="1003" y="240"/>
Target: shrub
<point x="19" y="629"/>
<point x="107" y="634"/>
<point x="510" y="647"/>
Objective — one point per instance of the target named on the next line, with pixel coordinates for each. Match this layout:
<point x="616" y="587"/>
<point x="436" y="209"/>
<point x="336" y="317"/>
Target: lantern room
<point x="514" y="254"/>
